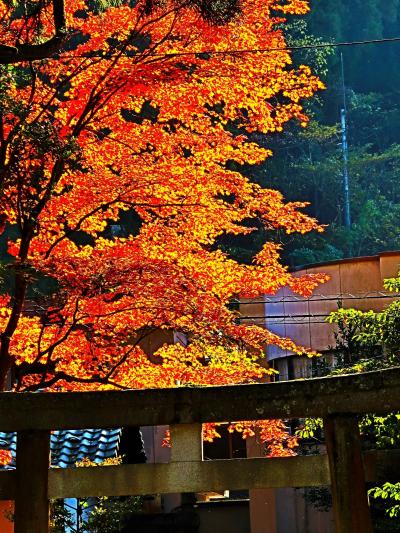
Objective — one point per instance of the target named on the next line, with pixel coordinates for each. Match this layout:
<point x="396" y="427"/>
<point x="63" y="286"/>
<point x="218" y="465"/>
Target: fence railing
<point x="338" y="400"/>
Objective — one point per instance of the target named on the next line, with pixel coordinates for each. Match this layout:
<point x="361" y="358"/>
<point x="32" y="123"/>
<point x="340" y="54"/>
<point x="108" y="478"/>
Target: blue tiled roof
<point x="70" y="446"/>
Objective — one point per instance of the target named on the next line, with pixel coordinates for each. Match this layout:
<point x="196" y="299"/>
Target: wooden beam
<point x="377" y="392"/>
<point x="379" y="465"/>
<point x="349" y="495"/>
<point x="31" y="492"/>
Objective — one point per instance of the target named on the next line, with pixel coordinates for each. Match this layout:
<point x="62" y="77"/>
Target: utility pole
<point x="345" y="151"/>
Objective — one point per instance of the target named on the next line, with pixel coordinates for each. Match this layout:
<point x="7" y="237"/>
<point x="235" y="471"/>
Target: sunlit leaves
<point x="141" y="116"/>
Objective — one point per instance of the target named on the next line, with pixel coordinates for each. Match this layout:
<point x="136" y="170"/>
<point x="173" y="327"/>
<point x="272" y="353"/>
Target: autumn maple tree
<point x="138" y="114"/>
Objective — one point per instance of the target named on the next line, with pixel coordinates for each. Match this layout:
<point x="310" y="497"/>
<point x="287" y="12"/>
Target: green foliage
<point x="366" y="335"/>
<point x="110" y="515"/>
<point x="390" y="492"/>
<point x="356" y="337"/>
<point x="307" y="256"/>
<point x="368" y="68"/>
<point x="392" y="284"/>
<point x="299" y="34"/>
<point x="310" y="428"/>
<point x="61" y="517"/>
<point x="308" y="165"/>
<point x="107" y="515"/>
<point x="383" y="431"/>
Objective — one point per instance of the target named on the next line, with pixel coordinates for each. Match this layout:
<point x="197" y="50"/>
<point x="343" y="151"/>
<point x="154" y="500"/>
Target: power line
<point x="322" y="298"/>
<point x="306" y="321"/>
<point x="269" y="317"/>
<point x="290" y="322"/>
<point x="278" y="49"/>
<point x="205" y="53"/>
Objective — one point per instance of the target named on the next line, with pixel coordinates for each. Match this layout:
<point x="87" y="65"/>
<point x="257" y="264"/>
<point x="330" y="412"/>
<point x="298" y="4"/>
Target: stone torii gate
<point x="338" y="400"/>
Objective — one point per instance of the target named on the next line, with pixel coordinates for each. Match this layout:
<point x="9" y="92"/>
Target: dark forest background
<point x="307" y="164"/>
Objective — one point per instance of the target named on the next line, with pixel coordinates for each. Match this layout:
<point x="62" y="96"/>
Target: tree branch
<point x="32" y="52"/>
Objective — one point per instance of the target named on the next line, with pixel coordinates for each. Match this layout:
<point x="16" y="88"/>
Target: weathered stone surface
<point x="377" y="392"/>
<point x="311" y="471"/>
<point x="349" y="494"/>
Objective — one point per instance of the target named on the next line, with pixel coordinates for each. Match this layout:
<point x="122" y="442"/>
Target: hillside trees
<point x="308" y="163"/>
<point x="368" y="68"/>
<point x="137" y="118"/>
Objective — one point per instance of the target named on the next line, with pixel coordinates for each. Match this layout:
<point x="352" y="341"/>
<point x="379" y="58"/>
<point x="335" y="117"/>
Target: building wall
<point x="6" y="508"/>
<point x="284" y="510"/>
<point x="216" y="517"/>
<point x="354" y="283"/>
<point x="295" y="515"/>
